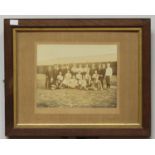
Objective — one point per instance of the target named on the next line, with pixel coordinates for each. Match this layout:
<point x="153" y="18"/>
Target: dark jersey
<point x="101" y="72"/>
<point x="92" y="71"/>
<point x="49" y="74"/>
<point x="55" y="74"/>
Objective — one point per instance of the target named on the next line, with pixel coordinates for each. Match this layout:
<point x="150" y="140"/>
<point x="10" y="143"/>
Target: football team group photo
<point x="76" y="76"/>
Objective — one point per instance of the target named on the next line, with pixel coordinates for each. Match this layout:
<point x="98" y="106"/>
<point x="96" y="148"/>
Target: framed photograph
<point x="77" y="78"/>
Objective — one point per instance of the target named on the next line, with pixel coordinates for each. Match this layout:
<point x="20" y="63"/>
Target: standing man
<point x="74" y="69"/>
<point x="55" y="73"/>
<point x="64" y="70"/>
<point x="101" y="72"/>
<point x="92" y="69"/>
<point x="108" y="75"/>
<point x="86" y="69"/>
<point x="49" y="76"/>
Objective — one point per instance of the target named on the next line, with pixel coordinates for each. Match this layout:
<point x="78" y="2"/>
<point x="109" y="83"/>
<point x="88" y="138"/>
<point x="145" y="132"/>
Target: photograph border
<point x="108" y="25"/>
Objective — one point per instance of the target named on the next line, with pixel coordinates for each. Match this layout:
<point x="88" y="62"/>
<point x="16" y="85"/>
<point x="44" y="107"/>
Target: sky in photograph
<point x="56" y="53"/>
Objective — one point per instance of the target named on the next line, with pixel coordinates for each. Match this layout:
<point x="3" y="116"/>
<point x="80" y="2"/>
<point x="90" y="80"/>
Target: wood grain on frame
<point x="44" y="23"/>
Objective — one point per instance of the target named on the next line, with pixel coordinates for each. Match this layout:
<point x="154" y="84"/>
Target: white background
<point x="102" y="8"/>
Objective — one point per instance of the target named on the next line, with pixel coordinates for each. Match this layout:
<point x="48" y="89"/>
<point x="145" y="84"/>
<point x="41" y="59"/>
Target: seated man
<point x="96" y="83"/>
<point x="79" y="78"/>
<point x="67" y="78"/>
<point x="83" y="84"/>
<point x="59" y="80"/>
<point x="73" y="83"/>
<point x="87" y="77"/>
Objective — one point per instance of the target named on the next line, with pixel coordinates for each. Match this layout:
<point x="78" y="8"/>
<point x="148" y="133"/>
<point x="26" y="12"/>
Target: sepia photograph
<point x="76" y="76"/>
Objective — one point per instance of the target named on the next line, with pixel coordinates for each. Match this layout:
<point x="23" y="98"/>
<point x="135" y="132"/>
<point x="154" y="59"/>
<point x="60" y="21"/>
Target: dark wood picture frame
<point x="143" y="132"/>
